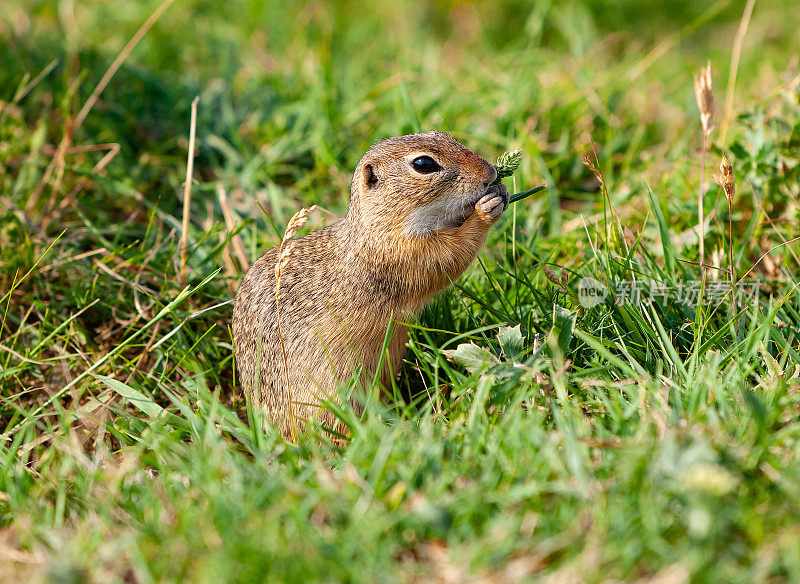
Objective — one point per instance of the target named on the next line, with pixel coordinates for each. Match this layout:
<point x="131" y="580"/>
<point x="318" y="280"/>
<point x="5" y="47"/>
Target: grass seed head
<point x="550" y="274"/>
<point x="564" y="279"/>
<point x="704" y="93"/>
<point x="283" y="261"/>
<point x="507" y="163"/>
<point x="587" y="162"/>
<point x="724" y="178"/>
<point x="297" y="222"/>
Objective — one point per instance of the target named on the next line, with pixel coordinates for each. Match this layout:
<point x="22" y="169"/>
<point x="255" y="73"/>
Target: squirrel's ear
<point x="369" y="176"/>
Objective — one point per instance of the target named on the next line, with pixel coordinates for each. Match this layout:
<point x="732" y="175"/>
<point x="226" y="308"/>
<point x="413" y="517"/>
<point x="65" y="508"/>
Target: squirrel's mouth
<point x="463" y="211"/>
<point x="468" y="208"/>
<point x="442" y="214"/>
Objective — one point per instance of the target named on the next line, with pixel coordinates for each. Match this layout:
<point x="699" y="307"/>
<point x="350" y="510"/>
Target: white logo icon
<point x="591" y="292"/>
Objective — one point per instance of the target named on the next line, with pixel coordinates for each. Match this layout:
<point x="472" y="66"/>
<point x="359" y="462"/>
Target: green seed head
<point x="507" y="163"/>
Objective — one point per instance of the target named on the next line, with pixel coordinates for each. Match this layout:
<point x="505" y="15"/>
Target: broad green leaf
<point x="471" y="356"/>
<point x="563" y="323"/>
<point x="145" y="404"/>
<point x="511" y="341"/>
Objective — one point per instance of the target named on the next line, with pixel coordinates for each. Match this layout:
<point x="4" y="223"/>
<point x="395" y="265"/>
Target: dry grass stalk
<point x="187" y="196"/>
<point x="99" y="168"/>
<point x="296" y="223"/>
<point x="771" y="222"/>
<point x="236" y="241"/>
<point x="72" y="125"/>
<point x="735" y="53"/>
<point x="724" y="178"/>
<point x="704" y="94"/>
<point x="230" y="268"/>
<point x="5" y="349"/>
<point x="784" y="242"/>
<point x="31" y="84"/>
<point x="588" y="163"/>
<point x="123" y="55"/>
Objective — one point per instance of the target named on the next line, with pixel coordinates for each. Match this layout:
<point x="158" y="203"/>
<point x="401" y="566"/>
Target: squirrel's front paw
<point x="491" y="205"/>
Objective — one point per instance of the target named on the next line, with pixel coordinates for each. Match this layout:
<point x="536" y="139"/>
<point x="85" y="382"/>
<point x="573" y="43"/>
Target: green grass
<point x="619" y="442"/>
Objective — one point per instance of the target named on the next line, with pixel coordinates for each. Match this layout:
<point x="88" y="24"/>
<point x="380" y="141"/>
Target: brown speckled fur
<point x="343" y="283"/>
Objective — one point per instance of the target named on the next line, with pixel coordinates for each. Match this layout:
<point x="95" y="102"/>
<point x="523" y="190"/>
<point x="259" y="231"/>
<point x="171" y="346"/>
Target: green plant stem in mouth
<point x="524" y="194"/>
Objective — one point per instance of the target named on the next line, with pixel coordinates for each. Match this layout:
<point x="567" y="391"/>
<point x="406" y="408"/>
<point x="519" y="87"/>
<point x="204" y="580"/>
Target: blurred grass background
<point x="664" y="450"/>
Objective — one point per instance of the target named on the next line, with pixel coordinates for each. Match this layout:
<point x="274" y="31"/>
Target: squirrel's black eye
<point x="425" y="165"/>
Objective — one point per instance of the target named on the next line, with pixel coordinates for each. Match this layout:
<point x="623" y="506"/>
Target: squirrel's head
<point x="418" y="184"/>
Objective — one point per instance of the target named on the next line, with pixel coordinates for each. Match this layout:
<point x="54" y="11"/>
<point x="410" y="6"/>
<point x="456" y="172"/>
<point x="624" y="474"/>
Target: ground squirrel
<point x="420" y="208"/>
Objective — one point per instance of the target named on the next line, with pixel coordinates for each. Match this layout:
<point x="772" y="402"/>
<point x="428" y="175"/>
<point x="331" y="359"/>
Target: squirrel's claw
<point x="491" y="205"/>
